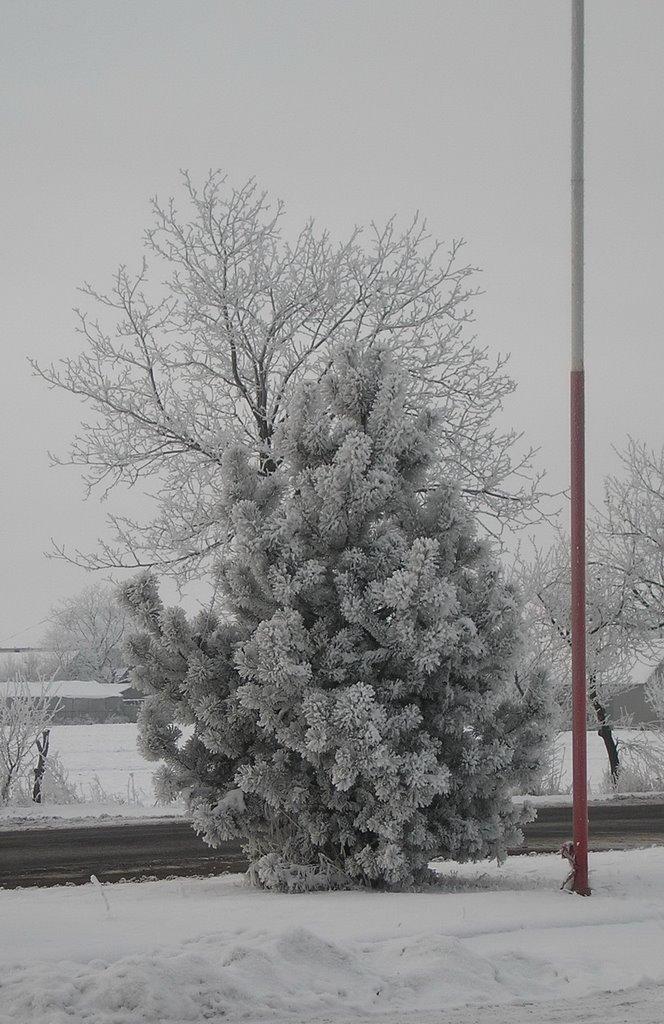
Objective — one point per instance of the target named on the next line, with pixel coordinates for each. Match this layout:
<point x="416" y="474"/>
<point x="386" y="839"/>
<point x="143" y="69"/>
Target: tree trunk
<point x="6" y="787"/>
<point x="605" y="731"/>
<point x="42" y="746"/>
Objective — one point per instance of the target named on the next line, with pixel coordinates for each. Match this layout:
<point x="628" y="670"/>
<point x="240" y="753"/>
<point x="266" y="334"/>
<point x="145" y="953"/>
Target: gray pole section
<point x="577" y="183"/>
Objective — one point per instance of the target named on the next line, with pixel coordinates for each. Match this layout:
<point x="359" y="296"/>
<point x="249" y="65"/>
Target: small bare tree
<point x="174" y="374"/>
<point x="24" y="717"/>
<point x="610" y="650"/>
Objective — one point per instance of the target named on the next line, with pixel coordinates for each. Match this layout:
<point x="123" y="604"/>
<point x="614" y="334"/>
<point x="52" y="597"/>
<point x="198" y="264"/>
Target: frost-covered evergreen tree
<point x="356" y="714"/>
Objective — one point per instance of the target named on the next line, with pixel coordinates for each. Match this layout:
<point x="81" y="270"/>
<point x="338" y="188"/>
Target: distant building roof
<point x="22" y="650"/>
<point x="85" y="689"/>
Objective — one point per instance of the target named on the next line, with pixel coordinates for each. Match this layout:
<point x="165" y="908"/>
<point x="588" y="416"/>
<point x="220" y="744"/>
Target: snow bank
<point x="54" y="815"/>
<point x="194" y="950"/>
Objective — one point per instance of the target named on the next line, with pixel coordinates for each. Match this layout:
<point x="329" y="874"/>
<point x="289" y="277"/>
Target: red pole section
<point x="578" y="471"/>
<point x="578" y="566"/>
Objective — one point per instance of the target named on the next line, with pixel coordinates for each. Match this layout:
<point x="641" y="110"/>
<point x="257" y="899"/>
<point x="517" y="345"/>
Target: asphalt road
<point x="54" y="856"/>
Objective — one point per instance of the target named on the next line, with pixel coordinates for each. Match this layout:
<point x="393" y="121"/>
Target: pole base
<point x="574" y="882"/>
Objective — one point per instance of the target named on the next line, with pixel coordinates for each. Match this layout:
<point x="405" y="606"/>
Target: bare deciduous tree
<point x="173" y="373"/>
<point x="631" y="529"/>
<point x="86" y="635"/>
<point x="625" y="589"/>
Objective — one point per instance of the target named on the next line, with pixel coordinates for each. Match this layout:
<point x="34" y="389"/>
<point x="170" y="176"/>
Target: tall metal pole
<point x="578" y="500"/>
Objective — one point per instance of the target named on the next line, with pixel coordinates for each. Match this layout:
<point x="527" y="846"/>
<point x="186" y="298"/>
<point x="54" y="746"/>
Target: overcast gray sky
<point x="348" y="110"/>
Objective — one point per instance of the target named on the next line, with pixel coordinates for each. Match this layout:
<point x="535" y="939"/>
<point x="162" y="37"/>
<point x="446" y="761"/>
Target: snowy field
<point x="104" y="758"/>
<point x="194" y="950"/>
<point x="560" y="762"/>
<point x="111" y="777"/>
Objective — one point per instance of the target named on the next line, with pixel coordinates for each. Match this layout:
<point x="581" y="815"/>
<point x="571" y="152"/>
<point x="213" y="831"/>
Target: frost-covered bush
<point x="56" y="788"/>
<point x="641" y="764"/>
<point x="552" y="779"/>
<point x="355" y="713"/>
<point x="24" y="715"/>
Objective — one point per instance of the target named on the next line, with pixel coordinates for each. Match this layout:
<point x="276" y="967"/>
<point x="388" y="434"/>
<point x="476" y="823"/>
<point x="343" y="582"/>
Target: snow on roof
<point x="86" y="689"/>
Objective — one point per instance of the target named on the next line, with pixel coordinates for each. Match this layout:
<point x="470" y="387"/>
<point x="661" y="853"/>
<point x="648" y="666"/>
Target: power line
<point x="27" y="629"/>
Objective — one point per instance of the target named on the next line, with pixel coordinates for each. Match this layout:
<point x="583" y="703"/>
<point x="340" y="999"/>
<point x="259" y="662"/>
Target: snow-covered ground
<point x="213" y="950"/>
<point x="56" y="815"/>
